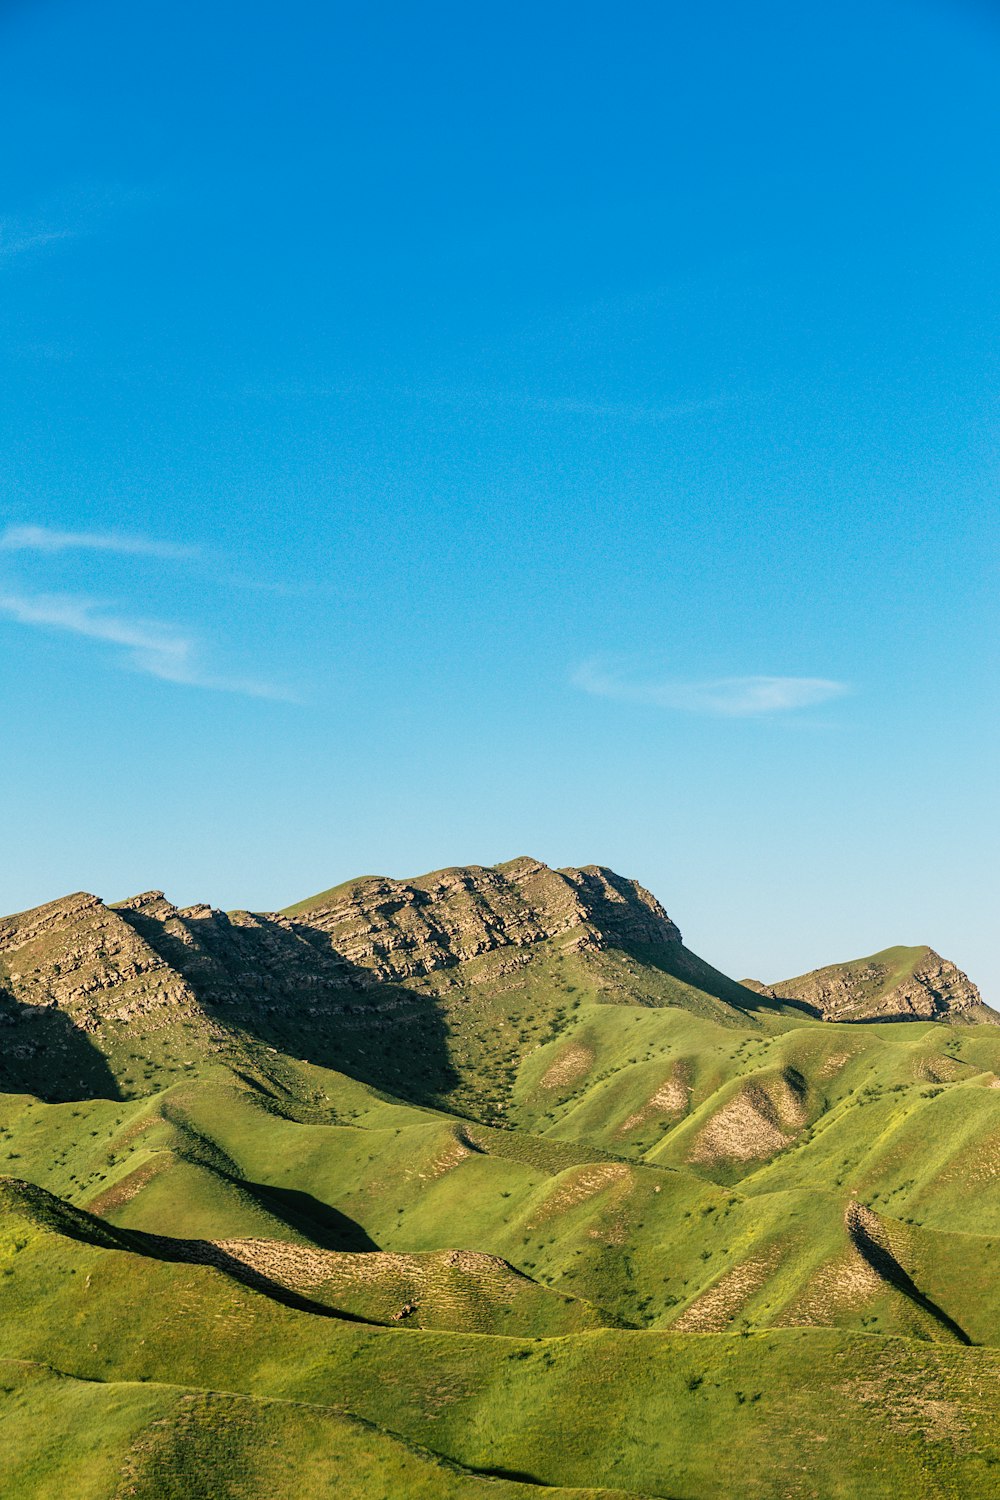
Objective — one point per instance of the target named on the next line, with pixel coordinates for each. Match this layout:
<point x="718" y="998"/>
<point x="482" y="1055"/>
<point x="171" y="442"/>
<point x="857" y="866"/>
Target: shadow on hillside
<point x="43" y="1053"/>
<point x="327" y="1227"/>
<point x="896" y="1018"/>
<point x="76" y="1224"/>
<point x="885" y="1265"/>
<point x="680" y="963"/>
<point x="285" y="985"/>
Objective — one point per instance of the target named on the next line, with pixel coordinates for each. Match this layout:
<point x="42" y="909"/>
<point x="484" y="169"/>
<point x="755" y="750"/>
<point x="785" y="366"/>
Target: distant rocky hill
<point x="896" y="984"/>
<point x="100" y="993"/>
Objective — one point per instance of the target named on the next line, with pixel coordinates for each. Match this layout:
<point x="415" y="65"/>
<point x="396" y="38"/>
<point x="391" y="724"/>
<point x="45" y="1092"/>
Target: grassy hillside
<point x="561" y="1216"/>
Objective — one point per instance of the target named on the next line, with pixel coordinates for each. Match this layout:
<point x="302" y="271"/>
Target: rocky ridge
<point x="146" y="963"/>
<point x="897" y="984"/>
<point x="84" y="959"/>
<point x="147" y="960"/>
<point x="400" y="930"/>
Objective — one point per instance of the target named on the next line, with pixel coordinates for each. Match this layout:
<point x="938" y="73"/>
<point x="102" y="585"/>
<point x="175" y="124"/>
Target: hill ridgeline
<point x="146" y="958"/>
<point x="896" y="984"/>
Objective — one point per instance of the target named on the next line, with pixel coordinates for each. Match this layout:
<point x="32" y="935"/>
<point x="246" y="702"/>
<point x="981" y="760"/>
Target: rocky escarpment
<point x="146" y="960"/>
<point x="897" y="984"/>
<point x="81" y="957"/>
<point x="399" y="930"/>
<point x="148" y="963"/>
<point x="379" y="931"/>
<point x="262" y="960"/>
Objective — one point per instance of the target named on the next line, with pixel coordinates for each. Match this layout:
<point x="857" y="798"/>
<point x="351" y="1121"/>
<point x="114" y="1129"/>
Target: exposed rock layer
<point x="898" y="984"/>
<point x="401" y="929"/>
<point x="85" y="959"/>
<point x="146" y="962"/>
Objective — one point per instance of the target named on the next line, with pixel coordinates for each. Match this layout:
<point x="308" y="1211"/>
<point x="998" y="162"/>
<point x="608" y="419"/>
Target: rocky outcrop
<point x="264" y="961"/>
<point x="402" y="929"/>
<point x="149" y="963"/>
<point x="80" y="956"/>
<point x="910" y="984"/>
<point x="148" y="959"/>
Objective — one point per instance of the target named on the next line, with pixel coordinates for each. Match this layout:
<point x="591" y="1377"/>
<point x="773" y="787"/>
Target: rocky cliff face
<point x="401" y="929"/>
<point x="84" y="959"/>
<point x="898" y="984"/>
<point x="241" y="957"/>
<point x="147" y="964"/>
<point x="148" y="960"/>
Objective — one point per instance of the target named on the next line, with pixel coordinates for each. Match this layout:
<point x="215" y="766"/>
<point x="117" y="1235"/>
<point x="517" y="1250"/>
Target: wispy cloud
<point x="19" y="239"/>
<point x="574" y="406"/>
<point x="489" y="401"/>
<point x="47" y="539"/>
<point x="727" y="697"/>
<point x="626" y="411"/>
<point x="76" y="210"/>
<point x="151" y="646"/>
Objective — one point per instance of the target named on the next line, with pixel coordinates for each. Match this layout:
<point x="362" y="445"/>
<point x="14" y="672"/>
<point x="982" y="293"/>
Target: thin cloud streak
<point x="627" y="411"/>
<point x="47" y="539"/>
<point x="15" y="240"/>
<point x="76" y="211"/>
<point x="490" y="401"/>
<point x="150" y="646"/>
<point x="725" y="697"/>
<point x="571" y="406"/>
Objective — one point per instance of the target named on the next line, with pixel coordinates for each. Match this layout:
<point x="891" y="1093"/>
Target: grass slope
<point x="605" y="1224"/>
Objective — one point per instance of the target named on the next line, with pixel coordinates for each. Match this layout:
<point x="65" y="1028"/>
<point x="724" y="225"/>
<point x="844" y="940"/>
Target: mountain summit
<point x="146" y="963"/>
<point x="400" y="929"/>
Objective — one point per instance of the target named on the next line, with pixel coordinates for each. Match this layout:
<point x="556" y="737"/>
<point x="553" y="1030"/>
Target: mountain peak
<point x="401" y="929"/>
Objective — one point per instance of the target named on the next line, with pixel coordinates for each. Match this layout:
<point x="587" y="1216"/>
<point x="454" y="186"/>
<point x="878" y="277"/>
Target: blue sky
<point x="437" y="433"/>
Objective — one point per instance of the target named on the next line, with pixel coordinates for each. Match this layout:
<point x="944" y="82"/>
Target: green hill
<point x="482" y="1183"/>
<point x="898" y="983"/>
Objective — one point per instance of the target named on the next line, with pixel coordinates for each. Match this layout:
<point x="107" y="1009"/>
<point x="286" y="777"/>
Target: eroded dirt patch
<point x="586" y="1182"/>
<point x="572" y="1063"/>
<point x="671" y="1098"/>
<point x="715" y="1309"/>
<point x="123" y="1191"/>
<point x="745" y="1129"/>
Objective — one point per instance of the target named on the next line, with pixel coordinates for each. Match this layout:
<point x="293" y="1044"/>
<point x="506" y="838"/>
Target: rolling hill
<point x="483" y="1183"/>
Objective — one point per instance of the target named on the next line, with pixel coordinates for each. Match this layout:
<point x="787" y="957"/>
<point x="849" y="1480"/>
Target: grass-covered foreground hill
<point x="485" y="1185"/>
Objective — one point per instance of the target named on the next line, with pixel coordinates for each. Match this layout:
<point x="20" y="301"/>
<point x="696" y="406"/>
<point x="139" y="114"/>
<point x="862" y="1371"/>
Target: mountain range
<point x="484" y="1183"/>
